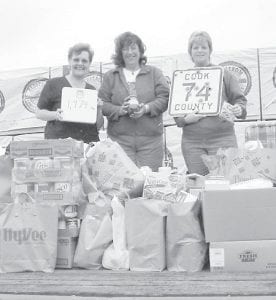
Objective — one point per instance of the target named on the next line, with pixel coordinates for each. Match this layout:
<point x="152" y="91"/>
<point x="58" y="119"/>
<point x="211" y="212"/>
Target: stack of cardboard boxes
<point x="240" y="226"/>
<point x="50" y="170"/>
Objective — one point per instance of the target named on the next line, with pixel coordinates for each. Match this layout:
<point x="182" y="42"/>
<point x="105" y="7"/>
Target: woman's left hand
<point x="99" y="102"/>
<point x="139" y="113"/>
<point x="237" y="110"/>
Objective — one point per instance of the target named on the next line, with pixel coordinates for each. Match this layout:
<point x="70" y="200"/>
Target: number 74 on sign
<point x="196" y="90"/>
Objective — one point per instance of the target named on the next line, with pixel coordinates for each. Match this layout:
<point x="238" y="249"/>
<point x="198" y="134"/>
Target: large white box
<point x="239" y="215"/>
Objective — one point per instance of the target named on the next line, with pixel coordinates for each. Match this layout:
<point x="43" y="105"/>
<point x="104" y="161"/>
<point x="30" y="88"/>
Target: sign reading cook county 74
<point x="79" y="105"/>
<point x="196" y="90"/>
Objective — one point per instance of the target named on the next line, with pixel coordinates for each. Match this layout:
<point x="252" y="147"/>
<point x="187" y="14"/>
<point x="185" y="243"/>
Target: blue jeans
<point x="193" y="148"/>
<point x="143" y="150"/>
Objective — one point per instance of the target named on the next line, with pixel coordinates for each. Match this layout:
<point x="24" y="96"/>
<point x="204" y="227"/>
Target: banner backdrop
<point x="20" y="89"/>
<point x="244" y="65"/>
<point x="267" y="58"/>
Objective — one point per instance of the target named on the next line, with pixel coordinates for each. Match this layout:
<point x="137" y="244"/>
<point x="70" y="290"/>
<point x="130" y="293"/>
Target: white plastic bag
<point x="116" y="256"/>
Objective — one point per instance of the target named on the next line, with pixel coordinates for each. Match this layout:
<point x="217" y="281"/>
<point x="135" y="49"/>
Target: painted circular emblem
<point x="94" y="78"/>
<point x="2" y="102"/>
<point x="274" y="77"/>
<point x="241" y="73"/>
<point x="31" y="93"/>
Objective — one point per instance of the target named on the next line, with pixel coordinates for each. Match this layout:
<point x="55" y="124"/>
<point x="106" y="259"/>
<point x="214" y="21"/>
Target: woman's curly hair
<point x="124" y="40"/>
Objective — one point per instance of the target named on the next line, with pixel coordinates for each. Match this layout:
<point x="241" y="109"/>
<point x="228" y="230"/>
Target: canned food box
<point x="48" y="148"/>
<point x="21" y="163"/>
<point x="42" y="163"/>
<point x="64" y="162"/>
<point x="62" y="187"/>
<point x="43" y="187"/>
<point x="43" y="175"/>
<point x="56" y="197"/>
<point x="22" y="188"/>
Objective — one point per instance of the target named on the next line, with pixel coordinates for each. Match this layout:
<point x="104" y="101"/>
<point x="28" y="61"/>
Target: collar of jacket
<point x="144" y="70"/>
<point x="209" y="65"/>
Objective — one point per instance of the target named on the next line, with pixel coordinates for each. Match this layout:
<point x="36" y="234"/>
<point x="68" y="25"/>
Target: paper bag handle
<point x="25" y="203"/>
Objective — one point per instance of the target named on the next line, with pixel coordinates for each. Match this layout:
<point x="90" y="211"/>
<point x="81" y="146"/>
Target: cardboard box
<point x="65" y="198"/>
<point x="66" y="247"/>
<point x="248" y="256"/>
<point x="163" y="186"/>
<point x="48" y="148"/>
<point x="45" y="175"/>
<point x="239" y="215"/>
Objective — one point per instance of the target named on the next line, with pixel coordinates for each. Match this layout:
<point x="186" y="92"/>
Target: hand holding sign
<point x="230" y="112"/>
<point x="226" y="112"/>
<point x="58" y="115"/>
<point x="237" y="110"/>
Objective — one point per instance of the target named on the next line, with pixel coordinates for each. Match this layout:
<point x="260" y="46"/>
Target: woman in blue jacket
<point x="134" y="97"/>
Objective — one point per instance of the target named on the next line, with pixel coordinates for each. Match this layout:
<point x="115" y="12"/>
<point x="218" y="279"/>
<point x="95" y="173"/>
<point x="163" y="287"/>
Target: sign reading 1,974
<point x="79" y="105"/>
<point x="196" y="90"/>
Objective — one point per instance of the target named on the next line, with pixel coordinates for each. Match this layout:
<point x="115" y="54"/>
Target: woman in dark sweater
<point x="206" y="134"/>
<point x="79" y="58"/>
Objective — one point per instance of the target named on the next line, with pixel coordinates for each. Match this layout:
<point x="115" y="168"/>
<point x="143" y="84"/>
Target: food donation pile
<point x="92" y="207"/>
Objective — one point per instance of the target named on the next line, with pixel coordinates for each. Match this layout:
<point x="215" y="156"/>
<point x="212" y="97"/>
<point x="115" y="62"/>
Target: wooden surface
<point x="136" y="284"/>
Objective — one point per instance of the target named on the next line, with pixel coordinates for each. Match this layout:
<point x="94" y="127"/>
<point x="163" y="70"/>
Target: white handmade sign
<point x="196" y="90"/>
<point x="79" y="105"/>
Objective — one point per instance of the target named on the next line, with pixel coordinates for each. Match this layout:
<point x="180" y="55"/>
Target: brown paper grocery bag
<point x="145" y="225"/>
<point x="186" y="248"/>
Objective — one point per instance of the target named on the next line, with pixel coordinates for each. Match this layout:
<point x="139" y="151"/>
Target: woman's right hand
<point x="124" y="108"/>
<point x="58" y="115"/>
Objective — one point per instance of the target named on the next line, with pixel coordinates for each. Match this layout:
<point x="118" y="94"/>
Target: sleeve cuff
<point x="147" y="108"/>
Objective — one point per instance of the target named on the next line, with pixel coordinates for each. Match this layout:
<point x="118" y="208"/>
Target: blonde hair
<point x="200" y="35"/>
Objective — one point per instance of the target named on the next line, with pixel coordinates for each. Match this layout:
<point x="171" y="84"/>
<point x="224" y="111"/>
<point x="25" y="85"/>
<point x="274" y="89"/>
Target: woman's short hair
<point x="200" y="35"/>
<point x="124" y="40"/>
<point x="78" y="48"/>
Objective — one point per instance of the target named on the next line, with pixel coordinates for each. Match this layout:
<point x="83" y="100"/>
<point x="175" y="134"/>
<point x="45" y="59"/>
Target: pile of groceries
<point x="67" y="205"/>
